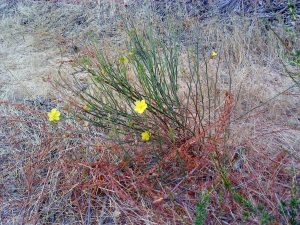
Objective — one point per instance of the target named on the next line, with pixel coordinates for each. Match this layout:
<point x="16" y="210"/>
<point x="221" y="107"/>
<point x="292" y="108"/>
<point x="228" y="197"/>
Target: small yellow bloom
<point x="54" y="115"/>
<point x="146" y="135"/>
<point x="123" y="59"/>
<point x="103" y="72"/>
<point x="140" y="106"/>
<point x="213" y="54"/>
<point x="86" y="107"/>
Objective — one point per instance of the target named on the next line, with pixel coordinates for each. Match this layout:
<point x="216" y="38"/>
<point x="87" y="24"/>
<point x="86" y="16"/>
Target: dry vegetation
<point x="237" y="163"/>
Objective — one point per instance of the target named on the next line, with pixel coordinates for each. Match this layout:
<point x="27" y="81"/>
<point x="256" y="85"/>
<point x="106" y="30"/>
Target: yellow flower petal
<point x="145" y="135"/>
<point x="53" y="115"/>
<point x="86" y="107"/>
<point x="213" y="54"/>
<point x="140" y="106"/>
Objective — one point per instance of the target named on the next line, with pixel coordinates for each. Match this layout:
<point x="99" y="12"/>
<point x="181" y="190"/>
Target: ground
<point x="72" y="172"/>
<point x="29" y="60"/>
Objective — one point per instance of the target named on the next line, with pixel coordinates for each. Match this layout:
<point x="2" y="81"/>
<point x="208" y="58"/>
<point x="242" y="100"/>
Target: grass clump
<point x="178" y="104"/>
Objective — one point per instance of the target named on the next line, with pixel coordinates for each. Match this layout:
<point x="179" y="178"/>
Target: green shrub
<point x="201" y="208"/>
<point x="153" y="69"/>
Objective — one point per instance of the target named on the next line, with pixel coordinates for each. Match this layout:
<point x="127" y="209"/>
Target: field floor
<point x="217" y="140"/>
<point x="28" y="61"/>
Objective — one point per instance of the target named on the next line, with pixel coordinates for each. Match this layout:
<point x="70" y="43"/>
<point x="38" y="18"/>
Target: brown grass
<point x="72" y="172"/>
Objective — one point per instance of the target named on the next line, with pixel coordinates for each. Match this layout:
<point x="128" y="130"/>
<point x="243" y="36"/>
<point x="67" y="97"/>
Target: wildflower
<point x="123" y="59"/>
<point x="54" y="115"/>
<point x="213" y="54"/>
<point x="140" y="106"/>
<point x="146" y="135"/>
<point x="86" y="107"/>
<point x="103" y="72"/>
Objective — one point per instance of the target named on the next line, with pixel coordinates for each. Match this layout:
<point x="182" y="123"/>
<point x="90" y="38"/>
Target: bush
<point x="181" y="99"/>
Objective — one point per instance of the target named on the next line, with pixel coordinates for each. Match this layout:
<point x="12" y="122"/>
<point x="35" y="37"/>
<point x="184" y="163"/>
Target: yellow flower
<point x="103" y="72"/>
<point x="86" y="107"/>
<point x="123" y="59"/>
<point x="146" y="135"/>
<point x="140" y="106"/>
<point x="213" y="54"/>
<point x="54" y="115"/>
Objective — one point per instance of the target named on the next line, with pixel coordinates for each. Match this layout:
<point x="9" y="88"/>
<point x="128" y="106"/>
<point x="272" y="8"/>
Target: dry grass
<point x="73" y="172"/>
<point x="69" y="173"/>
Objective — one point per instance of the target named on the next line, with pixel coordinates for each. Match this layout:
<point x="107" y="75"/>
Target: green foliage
<point x="295" y="58"/>
<point x="201" y="208"/>
<point x="149" y="70"/>
<point x="264" y="216"/>
<point x="292" y="10"/>
<point x="114" y="92"/>
<point x="244" y="202"/>
<point x="290" y="208"/>
<point x="249" y="208"/>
